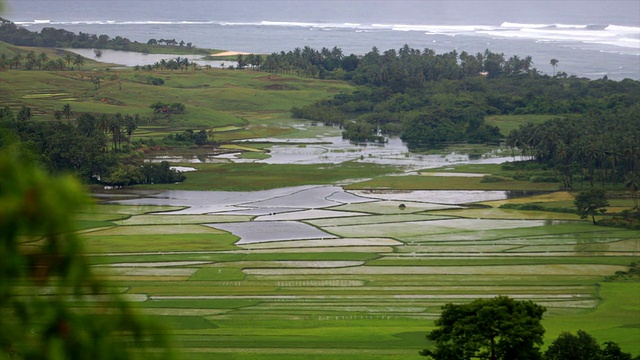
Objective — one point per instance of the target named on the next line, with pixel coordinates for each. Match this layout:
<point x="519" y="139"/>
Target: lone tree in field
<point x="590" y="202"/>
<point x="495" y="329"/>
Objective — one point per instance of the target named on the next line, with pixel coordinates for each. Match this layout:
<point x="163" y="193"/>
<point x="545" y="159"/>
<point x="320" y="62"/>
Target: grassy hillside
<point x="213" y="98"/>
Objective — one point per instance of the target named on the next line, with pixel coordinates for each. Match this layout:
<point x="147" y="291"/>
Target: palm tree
<point x="66" y="111"/>
<point x="131" y="123"/>
<point x="336" y="52"/>
<point x="68" y="58"/>
<point x="17" y="60"/>
<point x="103" y="123"/>
<point x="186" y="63"/>
<point x="59" y="64"/>
<point x="527" y="62"/>
<point x="31" y="60"/>
<point x="57" y="115"/>
<point x="554" y="63"/>
<point x="114" y="127"/>
<point x="42" y="59"/>
<point x="78" y="61"/>
<point x="632" y="183"/>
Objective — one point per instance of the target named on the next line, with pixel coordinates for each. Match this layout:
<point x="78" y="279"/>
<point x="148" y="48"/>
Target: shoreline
<point x="229" y="53"/>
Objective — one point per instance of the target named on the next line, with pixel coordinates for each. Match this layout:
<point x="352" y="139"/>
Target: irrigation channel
<point x="319" y="272"/>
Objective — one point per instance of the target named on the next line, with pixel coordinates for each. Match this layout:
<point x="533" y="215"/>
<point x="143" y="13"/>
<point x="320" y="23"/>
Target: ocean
<point x="589" y="38"/>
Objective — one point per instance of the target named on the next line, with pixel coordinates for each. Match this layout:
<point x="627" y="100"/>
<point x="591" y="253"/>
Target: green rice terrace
<point x="319" y="272"/>
<point x="286" y="241"/>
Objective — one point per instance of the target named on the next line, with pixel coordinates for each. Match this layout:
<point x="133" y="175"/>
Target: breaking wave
<point x="613" y="35"/>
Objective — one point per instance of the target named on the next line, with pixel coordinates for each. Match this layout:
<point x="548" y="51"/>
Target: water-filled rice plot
<point x="335" y="281"/>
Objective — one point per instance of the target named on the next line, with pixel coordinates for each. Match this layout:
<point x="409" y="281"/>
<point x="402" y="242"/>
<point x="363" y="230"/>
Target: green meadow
<point x="370" y="289"/>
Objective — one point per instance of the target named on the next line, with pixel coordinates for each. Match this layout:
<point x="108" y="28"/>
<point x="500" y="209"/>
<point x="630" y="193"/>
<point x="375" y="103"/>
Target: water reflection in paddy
<point x="300" y="198"/>
<point x="330" y="148"/>
<point x="284" y="214"/>
<point x="336" y="150"/>
<point x="253" y="232"/>
<point x="251" y="202"/>
<point x="280" y="214"/>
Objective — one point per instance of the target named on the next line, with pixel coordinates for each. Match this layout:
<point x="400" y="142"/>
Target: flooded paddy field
<point x="375" y="267"/>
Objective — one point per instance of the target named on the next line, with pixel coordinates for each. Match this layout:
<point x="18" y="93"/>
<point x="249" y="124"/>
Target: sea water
<point x="589" y="38"/>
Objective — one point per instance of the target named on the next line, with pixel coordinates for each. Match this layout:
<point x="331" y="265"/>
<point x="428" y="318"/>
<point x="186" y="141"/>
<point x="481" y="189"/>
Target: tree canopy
<point x="398" y="89"/>
<point x="82" y="147"/>
<point x="590" y="202"/>
<point x="583" y="346"/>
<point x="497" y="329"/>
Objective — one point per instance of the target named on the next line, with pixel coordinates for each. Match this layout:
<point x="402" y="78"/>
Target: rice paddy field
<point x="318" y="272"/>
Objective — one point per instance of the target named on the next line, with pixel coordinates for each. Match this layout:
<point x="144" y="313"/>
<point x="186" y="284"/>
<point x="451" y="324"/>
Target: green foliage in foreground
<point x="41" y="255"/>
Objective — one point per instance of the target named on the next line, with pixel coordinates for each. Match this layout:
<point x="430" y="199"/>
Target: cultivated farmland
<point x="321" y="273"/>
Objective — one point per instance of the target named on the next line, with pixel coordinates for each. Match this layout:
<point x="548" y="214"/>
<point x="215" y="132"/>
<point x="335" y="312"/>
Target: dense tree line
<point x="91" y="147"/>
<point x="52" y="37"/>
<point x="430" y="98"/>
<point x="598" y="147"/>
<point x="405" y="68"/>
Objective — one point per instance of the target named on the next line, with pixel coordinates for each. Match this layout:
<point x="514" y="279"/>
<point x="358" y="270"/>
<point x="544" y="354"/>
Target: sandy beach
<point x="230" y="53"/>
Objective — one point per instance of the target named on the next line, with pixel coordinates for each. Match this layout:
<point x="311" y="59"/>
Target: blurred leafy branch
<point x="51" y="304"/>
